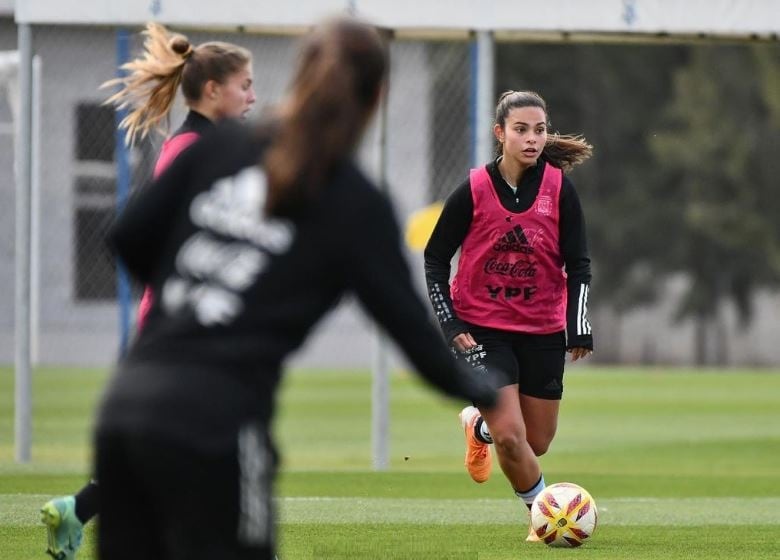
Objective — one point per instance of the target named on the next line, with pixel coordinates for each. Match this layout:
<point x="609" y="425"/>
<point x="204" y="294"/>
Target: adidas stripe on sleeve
<point x="583" y="325"/>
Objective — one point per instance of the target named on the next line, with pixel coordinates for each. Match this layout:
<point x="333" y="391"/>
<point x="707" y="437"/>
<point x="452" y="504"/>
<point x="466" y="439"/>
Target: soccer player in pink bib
<point x="518" y="301"/>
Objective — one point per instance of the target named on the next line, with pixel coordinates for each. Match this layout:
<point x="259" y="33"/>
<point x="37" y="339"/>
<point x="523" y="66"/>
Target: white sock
<point x="484" y="432"/>
<point x="528" y="495"/>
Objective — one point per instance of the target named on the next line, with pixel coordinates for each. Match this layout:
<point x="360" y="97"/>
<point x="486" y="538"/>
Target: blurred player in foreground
<point x="249" y="238"/>
<point x="216" y="81"/>
<point x="519" y="298"/>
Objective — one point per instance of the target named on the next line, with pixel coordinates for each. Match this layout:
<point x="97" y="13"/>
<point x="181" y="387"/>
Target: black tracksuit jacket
<point x="197" y="382"/>
<point x="454" y="224"/>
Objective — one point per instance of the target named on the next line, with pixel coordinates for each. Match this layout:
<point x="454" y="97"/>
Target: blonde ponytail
<point x="149" y="88"/>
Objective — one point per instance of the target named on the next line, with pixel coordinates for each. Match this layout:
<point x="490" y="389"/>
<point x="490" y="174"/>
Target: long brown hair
<point x="335" y="87"/>
<point x="561" y="150"/>
<point x="169" y="60"/>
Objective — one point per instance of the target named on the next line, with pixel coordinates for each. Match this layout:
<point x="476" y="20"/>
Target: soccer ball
<point x="564" y="514"/>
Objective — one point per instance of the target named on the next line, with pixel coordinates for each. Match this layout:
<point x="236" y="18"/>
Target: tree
<point x="613" y="95"/>
<point x="718" y="147"/>
<point x="685" y="169"/>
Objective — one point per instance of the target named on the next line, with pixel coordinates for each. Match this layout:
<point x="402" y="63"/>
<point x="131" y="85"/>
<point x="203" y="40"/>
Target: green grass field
<point x="682" y="464"/>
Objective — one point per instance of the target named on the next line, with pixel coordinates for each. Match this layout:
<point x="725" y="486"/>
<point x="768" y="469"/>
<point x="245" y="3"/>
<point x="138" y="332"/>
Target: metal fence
<point x="437" y="126"/>
<point x="82" y="171"/>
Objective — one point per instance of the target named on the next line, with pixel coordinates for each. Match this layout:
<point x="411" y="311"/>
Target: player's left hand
<point x="577" y="353"/>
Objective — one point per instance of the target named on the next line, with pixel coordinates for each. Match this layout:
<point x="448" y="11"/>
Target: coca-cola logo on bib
<point x="512" y="269"/>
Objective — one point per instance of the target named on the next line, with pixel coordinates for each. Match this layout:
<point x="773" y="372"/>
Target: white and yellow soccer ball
<point x="564" y="515"/>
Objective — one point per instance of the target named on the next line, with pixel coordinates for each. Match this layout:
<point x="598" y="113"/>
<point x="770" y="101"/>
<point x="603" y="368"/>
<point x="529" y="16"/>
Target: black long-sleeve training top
<point x="455" y="221"/>
<point x="238" y="292"/>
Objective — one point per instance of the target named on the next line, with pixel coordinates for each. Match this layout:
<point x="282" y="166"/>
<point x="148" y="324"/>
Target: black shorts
<point x="533" y="361"/>
<point x="161" y="500"/>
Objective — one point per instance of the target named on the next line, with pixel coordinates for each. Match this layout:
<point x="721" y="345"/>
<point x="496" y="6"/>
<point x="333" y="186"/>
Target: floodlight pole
<point x="483" y="76"/>
<point x="35" y="216"/>
<point x="23" y="172"/>
<point x="123" y="181"/>
<point x="380" y="385"/>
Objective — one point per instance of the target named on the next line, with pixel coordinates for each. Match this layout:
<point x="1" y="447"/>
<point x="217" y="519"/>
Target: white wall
<point x="7" y="202"/>
<point x="76" y="60"/>
<point x="729" y="17"/>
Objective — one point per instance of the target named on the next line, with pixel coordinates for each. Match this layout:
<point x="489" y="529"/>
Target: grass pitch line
<point x="23" y="510"/>
<point x="612" y="511"/>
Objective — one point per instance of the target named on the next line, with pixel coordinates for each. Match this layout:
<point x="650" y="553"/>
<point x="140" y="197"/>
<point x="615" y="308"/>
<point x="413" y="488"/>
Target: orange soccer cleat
<point x="478" y="459"/>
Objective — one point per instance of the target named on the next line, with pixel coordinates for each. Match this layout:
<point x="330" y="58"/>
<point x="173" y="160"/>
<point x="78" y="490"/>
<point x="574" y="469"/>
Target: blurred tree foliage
<point x="684" y="177"/>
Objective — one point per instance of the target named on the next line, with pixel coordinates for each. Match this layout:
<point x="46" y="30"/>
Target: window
<point x="95" y="203"/>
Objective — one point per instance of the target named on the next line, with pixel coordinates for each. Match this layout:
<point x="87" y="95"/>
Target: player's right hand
<point x="463" y="342"/>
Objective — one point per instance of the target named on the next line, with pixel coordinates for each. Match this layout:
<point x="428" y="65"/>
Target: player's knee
<point x="508" y="444"/>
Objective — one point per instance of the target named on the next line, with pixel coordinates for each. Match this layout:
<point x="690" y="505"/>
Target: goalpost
<point x="24" y="103"/>
<point x="23" y="176"/>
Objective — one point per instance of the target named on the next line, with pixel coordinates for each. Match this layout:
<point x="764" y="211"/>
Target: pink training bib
<point x="510" y="272"/>
<point x="171" y="149"/>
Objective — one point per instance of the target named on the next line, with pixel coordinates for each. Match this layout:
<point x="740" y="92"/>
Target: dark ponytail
<point x="561" y="150"/>
<point x="335" y="88"/>
<point x="566" y="150"/>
